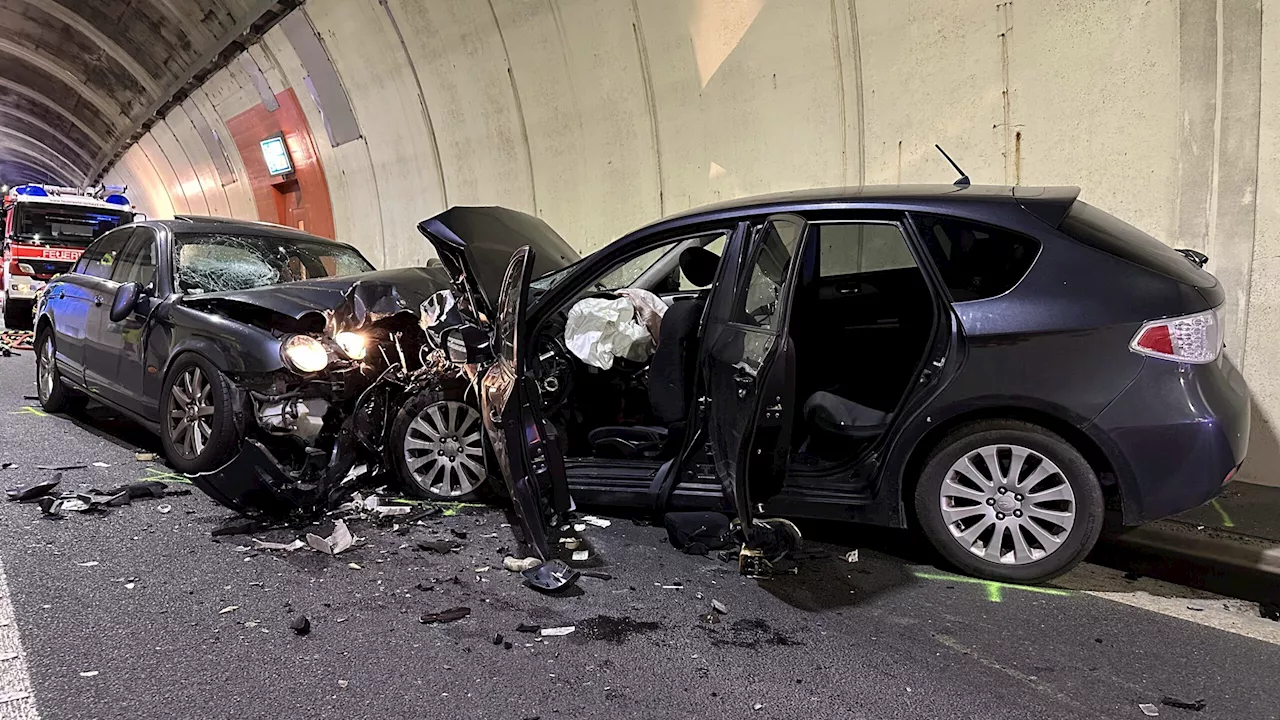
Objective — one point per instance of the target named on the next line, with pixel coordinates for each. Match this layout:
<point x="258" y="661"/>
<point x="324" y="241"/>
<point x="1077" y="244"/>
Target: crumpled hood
<point x="296" y="299"/>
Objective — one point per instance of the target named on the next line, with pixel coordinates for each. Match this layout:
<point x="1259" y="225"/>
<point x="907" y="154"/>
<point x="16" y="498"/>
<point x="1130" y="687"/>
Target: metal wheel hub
<point x="190" y="412"/>
<point x="1007" y="504"/>
<point x="45" y="370"/>
<point x="444" y="449"/>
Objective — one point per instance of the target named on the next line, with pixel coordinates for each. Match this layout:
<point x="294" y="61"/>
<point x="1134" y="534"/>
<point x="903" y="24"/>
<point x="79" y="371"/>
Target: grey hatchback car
<point x="993" y="365"/>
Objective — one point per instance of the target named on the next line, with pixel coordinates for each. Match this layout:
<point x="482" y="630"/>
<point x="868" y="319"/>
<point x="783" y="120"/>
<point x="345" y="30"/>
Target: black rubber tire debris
<point x="300" y="625"/>
<point x="445" y="616"/>
<point x="1172" y="701"/>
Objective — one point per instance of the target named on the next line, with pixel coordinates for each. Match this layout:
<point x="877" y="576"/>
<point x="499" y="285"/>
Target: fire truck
<point x="46" y="228"/>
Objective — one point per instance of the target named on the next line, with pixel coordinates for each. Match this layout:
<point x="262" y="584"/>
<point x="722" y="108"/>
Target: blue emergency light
<point x="117" y="199"/>
<point x="31" y="191"/>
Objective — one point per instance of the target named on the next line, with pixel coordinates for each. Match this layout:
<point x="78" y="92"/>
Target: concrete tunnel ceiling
<point x="81" y="80"/>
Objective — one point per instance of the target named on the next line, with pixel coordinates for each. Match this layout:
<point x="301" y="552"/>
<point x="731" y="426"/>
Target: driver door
<point x="748" y="364"/>
<point x="525" y="447"/>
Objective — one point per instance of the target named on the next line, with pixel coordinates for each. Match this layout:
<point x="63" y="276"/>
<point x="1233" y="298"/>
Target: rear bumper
<point x="1175" y="436"/>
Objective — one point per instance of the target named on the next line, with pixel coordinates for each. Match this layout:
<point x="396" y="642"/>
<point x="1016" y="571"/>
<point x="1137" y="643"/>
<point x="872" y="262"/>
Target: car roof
<point x="906" y="196"/>
<point x="209" y="224"/>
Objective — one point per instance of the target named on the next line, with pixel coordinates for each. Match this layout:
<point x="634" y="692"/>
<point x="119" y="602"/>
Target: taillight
<point x="1190" y="339"/>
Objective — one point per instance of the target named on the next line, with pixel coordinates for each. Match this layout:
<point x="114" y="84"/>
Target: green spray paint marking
<point x="162" y="475"/>
<point x="1226" y="519"/>
<point x="995" y="590"/>
<point x="28" y="410"/>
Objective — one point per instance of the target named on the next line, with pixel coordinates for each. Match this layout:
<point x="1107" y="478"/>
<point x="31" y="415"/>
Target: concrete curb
<point x="1207" y="558"/>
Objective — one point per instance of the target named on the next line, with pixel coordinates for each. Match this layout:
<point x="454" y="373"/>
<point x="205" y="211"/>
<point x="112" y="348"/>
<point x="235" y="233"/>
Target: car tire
<point x="1048" y="512"/>
<point x="194" y="385"/>
<point x="17" y="314"/>
<point x="437" y="448"/>
<point x="54" y="395"/>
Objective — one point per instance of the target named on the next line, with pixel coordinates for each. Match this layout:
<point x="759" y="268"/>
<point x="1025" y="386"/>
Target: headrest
<point x="699" y="265"/>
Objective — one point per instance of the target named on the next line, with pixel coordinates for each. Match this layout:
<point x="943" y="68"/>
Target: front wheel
<point x="198" y="427"/>
<point x="1009" y="501"/>
<point x="437" y="447"/>
<point x="54" y="394"/>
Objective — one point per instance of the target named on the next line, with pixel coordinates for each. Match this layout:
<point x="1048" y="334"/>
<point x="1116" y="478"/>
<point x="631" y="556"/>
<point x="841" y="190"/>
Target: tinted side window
<point x="102" y="255"/>
<point x="854" y="248"/>
<point x="976" y="261"/>
<point x="137" y="261"/>
<point x="774" y="253"/>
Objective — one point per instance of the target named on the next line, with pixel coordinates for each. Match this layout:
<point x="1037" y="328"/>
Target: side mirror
<point x="125" y="301"/>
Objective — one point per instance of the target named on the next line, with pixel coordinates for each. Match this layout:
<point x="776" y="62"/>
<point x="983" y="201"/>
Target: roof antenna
<point x="963" y="180"/>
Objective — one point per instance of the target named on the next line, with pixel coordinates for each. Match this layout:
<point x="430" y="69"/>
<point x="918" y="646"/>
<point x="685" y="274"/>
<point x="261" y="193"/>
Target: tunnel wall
<point x="602" y="115"/>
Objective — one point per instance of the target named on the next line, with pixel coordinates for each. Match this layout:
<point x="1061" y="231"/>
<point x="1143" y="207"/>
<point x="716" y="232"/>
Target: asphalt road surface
<point x="125" y="615"/>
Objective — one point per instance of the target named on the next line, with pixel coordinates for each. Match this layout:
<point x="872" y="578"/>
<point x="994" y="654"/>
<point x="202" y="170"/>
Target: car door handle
<point x="744" y="378"/>
<point x="97" y="300"/>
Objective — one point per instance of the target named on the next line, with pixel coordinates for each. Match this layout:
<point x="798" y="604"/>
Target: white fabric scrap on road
<point x="17" y="699"/>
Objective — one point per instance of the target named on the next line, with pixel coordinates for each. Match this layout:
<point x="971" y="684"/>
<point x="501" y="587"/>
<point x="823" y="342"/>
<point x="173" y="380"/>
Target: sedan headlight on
<point x="351" y="344"/>
<point x="304" y="354"/>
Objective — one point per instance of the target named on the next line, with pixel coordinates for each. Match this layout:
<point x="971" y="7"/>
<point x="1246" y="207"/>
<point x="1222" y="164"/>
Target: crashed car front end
<point x="316" y="428"/>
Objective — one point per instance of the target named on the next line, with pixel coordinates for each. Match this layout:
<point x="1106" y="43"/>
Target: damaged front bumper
<point x="254" y="482"/>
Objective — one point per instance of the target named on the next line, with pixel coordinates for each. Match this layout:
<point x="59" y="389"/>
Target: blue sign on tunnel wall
<point x="276" y="155"/>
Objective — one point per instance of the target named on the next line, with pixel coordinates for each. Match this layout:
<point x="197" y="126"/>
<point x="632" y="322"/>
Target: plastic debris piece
<point x="51" y="507"/>
<point x="673" y="586"/>
<point x="556" y="631"/>
<point x="520" y="565"/>
<point x="571" y="543"/>
<point x="497" y="639"/>
<point x="445" y="616"/>
<point x="483" y="568"/>
<point x="1194" y="705"/>
<point x="698" y="595"/>
<point x="89" y="673"/>
<point x="130" y="586"/>
<point x="384" y="511"/>
<point x="851" y="556"/>
<point x="579" y="527"/>
<point x="164" y="509"/>
<point x="300" y="625"/>
<point x="443" y="547"/>
<point x="581" y="554"/>
<point x="719" y="607"/>
<point x="757" y="706"/>
<point x="598" y="522"/>
<point x="354" y="566"/>
<point x="341" y="539"/>
<point x="264" y="545"/>
<point x="76" y="504"/>
<point x="141" y="456"/>
<point x="238" y="526"/>
<point x="91" y="563"/>
<point x="34" y="492"/>
<point x="710" y="618"/>
<point x="551" y="577"/>
<point x="12" y="696"/>
<point x="506" y="645"/>
<point x="62" y="467"/>
<point x="1149" y="710"/>
<point x="460" y="534"/>
<point x="343" y="683"/>
<point x="597" y="575"/>
<point x="228" y="609"/>
<point x="526" y="628"/>
<point x="8" y="465"/>
<point x="101" y="464"/>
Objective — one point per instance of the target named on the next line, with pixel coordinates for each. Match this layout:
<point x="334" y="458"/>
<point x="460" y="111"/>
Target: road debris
<point x="598" y="522"/>
<point x="719" y="607"/>
<point x="164" y="509"/>
<point x="710" y="618"/>
<point x="354" y="566"/>
<point x="289" y="547"/>
<point x="597" y="575"/>
<point x="1149" y="710"/>
<point x="34" y="492"/>
<point x="71" y="466"/>
<point x="520" y="565"/>
<point x="228" y="609"/>
<point x="556" y="631"/>
<point x="300" y="625"/>
<point x="444" y="547"/>
<point x="697" y="533"/>
<point x="343" y="684"/>
<point x="757" y="706"/>
<point x="91" y="563"/>
<point x="341" y="539"/>
<point x="89" y="673"/>
<point x="497" y="639"/>
<point x="579" y="555"/>
<point x="1194" y="705"/>
<point x="851" y="556"/>
<point x="445" y="616"/>
<point x="526" y="628"/>
<point x="143" y="456"/>
<point x="238" y="525"/>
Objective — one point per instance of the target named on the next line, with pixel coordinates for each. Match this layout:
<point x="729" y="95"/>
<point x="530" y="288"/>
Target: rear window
<point x="1103" y="231"/>
<point x="976" y="261"/>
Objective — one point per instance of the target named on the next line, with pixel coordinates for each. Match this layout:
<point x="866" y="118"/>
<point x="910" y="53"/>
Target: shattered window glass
<point x="776" y="248"/>
<point x="213" y="263"/>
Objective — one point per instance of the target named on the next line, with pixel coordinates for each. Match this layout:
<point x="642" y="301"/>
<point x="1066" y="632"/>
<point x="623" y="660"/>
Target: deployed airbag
<point x="598" y="330"/>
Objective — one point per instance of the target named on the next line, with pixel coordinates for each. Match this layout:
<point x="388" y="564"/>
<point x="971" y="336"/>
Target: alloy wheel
<point x="1007" y="504"/>
<point x="45" y="373"/>
<point x="444" y="449"/>
<point x="190" y="412"/>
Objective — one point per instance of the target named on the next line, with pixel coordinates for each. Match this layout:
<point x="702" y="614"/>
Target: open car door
<point x="524" y="446"/>
<point x="748" y="365"/>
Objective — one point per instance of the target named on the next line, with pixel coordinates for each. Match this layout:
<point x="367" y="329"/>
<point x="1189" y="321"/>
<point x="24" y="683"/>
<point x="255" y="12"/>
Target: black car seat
<point x="671" y="370"/>
<point x="834" y="421"/>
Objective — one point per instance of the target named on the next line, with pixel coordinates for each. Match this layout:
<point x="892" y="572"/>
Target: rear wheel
<point x="437" y="446"/>
<point x="198" y="427"/>
<point x="1009" y="501"/>
<point x="17" y="314"/>
<point x="54" y="394"/>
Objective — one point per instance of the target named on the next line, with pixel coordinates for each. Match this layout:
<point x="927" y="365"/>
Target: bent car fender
<point x="232" y="346"/>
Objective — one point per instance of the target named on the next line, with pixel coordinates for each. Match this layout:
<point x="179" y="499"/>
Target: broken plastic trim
<point x="552" y="576"/>
<point x="247" y="484"/>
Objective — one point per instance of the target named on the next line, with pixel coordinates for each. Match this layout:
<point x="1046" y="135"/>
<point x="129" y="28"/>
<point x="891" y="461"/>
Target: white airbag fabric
<point x="598" y="330"/>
